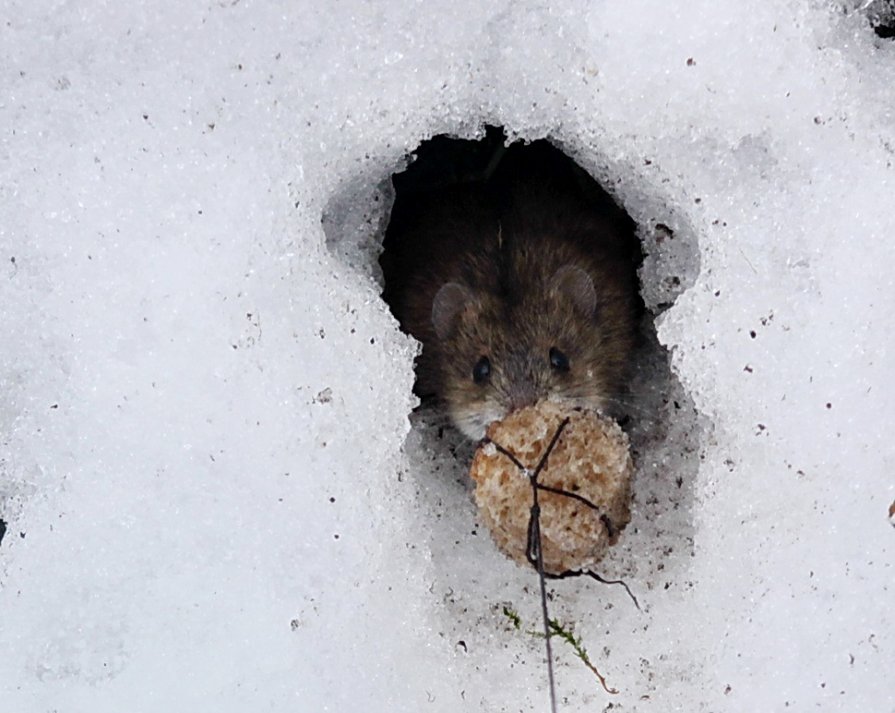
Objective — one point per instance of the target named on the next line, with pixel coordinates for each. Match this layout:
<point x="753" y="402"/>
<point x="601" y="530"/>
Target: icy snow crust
<point x="215" y="498"/>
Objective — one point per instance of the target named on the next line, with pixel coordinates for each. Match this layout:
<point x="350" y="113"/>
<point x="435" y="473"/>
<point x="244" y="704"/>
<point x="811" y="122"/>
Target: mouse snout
<point x="520" y="385"/>
<point x="521" y="394"/>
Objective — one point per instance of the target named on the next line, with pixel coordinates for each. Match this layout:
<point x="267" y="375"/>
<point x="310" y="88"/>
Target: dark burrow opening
<point x="518" y="274"/>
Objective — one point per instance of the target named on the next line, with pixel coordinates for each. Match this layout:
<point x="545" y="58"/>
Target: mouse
<point x="521" y="285"/>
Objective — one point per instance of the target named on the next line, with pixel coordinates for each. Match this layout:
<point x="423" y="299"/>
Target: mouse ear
<point x="447" y="306"/>
<point x="577" y="285"/>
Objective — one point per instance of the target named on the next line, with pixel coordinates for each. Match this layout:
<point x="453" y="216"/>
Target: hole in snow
<point x="654" y="409"/>
<point x="518" y="274"/>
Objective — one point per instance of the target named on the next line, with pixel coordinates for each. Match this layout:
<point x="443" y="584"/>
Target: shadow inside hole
<point x="354" y="222"/>
<point x="658" y="415"/>
<point x="494" y="250"/>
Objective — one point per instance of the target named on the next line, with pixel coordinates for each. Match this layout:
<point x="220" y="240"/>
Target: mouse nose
<point x="522" y="394"/>
<point x="521" y="383"/>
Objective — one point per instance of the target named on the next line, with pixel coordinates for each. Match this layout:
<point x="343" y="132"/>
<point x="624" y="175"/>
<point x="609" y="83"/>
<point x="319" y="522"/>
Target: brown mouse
<point x="520" y="287"/>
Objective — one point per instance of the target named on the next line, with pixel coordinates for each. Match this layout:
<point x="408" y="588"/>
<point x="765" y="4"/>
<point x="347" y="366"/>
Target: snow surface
<point x="214" y="494"/>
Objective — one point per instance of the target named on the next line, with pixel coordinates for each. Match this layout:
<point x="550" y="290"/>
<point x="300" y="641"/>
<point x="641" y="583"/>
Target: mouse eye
<point x="482" y="370"/>
<point x="558" y="360"/>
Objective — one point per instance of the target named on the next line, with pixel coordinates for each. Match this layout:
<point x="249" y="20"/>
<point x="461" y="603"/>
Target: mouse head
<point x="498" y="352"/>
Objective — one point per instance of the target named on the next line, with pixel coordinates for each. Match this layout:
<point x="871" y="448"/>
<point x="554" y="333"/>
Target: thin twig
<point x="505" y="452"/>
<point x="566" y="493"/>
<point x="534" y="529"/>
<point x="539" y="556"/>
<point x="535" y="555"/>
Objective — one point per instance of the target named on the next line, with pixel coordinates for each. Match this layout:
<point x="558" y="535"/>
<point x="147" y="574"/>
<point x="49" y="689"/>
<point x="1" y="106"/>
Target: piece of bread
<point x="591" y="460"/>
